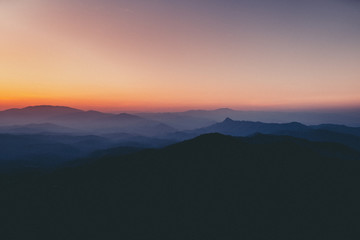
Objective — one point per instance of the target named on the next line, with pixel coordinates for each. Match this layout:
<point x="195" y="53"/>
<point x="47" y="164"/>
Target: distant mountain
<point x="90" y="122"/>
<point x="203" y="118"/>
<point x="179" y="121"/>
<point x="246" y="128"/>
<point x="36" y="128"/>
<point x="240" y="128"/>
<point x="48" y="136"/>
<point x="322" y="133"/>
<point x="99" y="122"/>
<point x="33" y="114"/>
<point x="158" y="124"/>
<point x="210" y="187"/>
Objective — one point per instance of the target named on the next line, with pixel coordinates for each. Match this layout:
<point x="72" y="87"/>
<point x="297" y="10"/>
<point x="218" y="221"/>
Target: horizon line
<point x="184" y="109"/>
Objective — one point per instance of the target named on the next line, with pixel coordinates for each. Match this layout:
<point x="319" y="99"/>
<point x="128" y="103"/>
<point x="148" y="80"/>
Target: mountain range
<point x="79" y="121"/>
<point x="349" y="136"/>
<point x="49" y="136"/>
<point x="201" y="118"/>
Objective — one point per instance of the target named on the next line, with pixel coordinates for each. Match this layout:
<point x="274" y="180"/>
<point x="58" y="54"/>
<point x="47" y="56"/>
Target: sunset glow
<point x="177" y="55"/>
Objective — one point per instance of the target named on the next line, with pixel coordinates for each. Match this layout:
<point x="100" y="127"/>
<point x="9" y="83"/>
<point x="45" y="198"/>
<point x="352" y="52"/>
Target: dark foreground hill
<point x="211" y="187"/>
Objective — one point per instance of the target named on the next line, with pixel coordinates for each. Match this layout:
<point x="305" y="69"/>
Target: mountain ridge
<point x="84" y="121"/>
<point x="333" y="133"/>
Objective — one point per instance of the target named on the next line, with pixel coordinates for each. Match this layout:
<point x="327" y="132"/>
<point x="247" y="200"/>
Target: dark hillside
<point x="210" y="187"/>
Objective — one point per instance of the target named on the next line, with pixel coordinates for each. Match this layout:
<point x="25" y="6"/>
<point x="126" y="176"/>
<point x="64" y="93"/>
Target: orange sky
<point x="134" y="56"/>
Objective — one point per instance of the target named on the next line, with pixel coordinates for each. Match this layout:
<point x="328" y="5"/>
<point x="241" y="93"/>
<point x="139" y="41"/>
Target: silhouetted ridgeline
<point x="210" y="187"/>
<point x="51" y="136"/>
<point x="349" y="136"/>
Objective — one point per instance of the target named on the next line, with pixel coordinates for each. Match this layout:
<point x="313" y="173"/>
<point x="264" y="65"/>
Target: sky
<point x="164" y="55"/>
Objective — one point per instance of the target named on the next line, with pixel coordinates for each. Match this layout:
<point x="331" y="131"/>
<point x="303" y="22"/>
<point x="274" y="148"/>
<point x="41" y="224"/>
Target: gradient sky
<point x="172" y="54"/>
